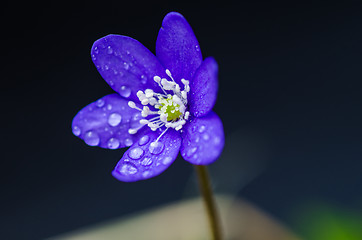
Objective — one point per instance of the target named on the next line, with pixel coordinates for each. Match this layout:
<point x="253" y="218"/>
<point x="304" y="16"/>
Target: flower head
<point x="162" y="103"/>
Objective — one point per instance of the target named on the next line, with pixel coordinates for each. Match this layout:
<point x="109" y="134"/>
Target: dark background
<point x="290" y="88"/>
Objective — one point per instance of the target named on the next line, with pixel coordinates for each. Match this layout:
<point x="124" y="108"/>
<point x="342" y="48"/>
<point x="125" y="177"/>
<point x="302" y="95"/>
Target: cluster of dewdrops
<point x="171" y="107"/>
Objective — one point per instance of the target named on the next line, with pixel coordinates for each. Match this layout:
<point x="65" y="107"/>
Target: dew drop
<point x="109" y="107"/>
<point x="143" y="79"/>
<point x="106" y="67"/>
<point x="76" y="131"/>
<point x="96" y="51"/>
<point x="145" y="174"/>
<point x="109" y="50"/>
<point x="167" y="160"/>
<point x="128" y="168"/>
<point x="91" y="138"/>
<point x="113" y="143"/>
<point x="128" y="142"/>
<point x="202" y="129"/>
<point x="156" y="147"/>
<point x="146" y="161"/>
<point x="197" y="47"/>
<point x="206" y="136"/>
<point x="100" y="103"/>
<point x="115" y="71"/>
<point x="193" y="129"/>
<point x="114" y="119"/>
<point x="136" y="153"/>
<point x="197" y="139"/>
<point x="125" y="91"/>
<point x="125" y="65"/>
<point x="191" y="151"/>
<point x="145" y="139"/>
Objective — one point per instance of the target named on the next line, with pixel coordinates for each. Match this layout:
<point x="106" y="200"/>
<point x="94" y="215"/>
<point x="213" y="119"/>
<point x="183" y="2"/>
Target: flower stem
<point x="206" y="191"/>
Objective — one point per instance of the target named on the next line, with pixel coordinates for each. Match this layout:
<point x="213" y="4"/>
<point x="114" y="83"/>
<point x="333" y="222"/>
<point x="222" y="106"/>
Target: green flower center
<point x="169" y="107"/>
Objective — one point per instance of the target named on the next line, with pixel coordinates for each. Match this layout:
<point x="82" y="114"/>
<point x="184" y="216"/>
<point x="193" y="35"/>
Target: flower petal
<point x="203" y="140"/>
<point x="146" y="159"/>
<point x="105" y="123"/>
<point x="203" y="88"/>
<point x="126" y="65"/>
<point x="177" y="47"/>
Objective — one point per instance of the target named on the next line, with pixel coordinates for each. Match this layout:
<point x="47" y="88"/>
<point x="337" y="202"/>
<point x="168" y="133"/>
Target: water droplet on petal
<point x="145" y="139"/>
<point x="206" y="136"/>
<point x="146" y="161"/>
<point x="125" y="91"/>
<point x="115" y="71"/>
<point x="76" y="131"/>
<point x="156" y="147"/>
<point x="197" y="139"/>
<point x="193" y="129"/>
<point x="202" y="129"/>
<point x="113" y="143"/>
<point x="91" y="138"/>
<point x="109" y="50"/>
<point x="136" y="153"/>
<point x="191" y="151"/>
<point x="197" y="47"/>
<point x="128" y="142"/>
<point x="143" y="79"/>
<point x="167" y="160"/>
<point x="100" y="103"/>
<point x="128" y="168"/>
<point x="114" y="119"/>
<point x="109" y="107"/>
<point x="126" y="65"/>
<point x="106" y="67"/>
<point x="146" y="174"/>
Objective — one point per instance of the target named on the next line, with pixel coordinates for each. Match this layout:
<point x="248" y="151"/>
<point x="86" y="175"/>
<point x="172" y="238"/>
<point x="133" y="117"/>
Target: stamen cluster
<point x="169" y="106"/>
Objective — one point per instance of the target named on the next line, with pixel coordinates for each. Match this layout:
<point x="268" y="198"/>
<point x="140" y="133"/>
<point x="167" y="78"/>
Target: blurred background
<point x="290" y="100"/>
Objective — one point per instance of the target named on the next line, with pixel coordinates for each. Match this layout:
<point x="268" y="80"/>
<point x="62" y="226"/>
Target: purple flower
<point x="162" y="105"/>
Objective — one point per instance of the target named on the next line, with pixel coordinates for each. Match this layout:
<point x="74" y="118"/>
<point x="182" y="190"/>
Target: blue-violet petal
<point x="203" y="88"/>
<point x="177" y="47"/>
<point x="203" y="140"/>
<point x="148" y="158"/>
<point x="126" y="65"/>
<point x="105" y="123"/>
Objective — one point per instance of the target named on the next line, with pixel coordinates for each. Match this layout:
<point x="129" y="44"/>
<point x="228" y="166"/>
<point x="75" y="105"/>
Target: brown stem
<point x="206" y="191"/>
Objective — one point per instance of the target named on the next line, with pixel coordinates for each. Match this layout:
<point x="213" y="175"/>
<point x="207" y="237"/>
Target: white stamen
<point x="164" y="104"/>
<point x="187" y="114"/>
<point x="157" y="79"/>
<point x="132" y="131"/>
<point x="161" y="135"/>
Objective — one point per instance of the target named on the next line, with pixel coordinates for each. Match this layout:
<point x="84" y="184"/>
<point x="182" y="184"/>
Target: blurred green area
<point x="326" y="222"/>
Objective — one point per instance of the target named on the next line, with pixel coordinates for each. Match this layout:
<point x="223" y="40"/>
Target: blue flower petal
<point x="148" y="158"/>
<point x="126" y="65"/>
<point x="203" y="140"/>
<point x="177" y="47"/>
<point x="203" y="88"/>
<point x="105" y="123"/>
